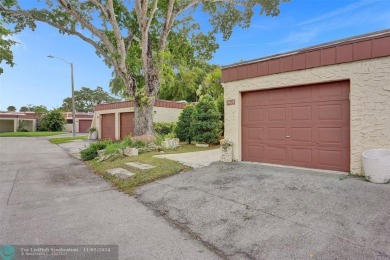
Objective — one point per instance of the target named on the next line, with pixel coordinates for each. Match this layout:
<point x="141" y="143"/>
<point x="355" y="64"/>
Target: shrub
<point x="53" y="121"/>
<point x="127" y="141"/>
<point x="163" y="128"/>
<point x="91" y="151"/>
<point x="221" y="110"/>
<point x="21" y="127"/>
<point x="206" y="123"/>
<point x="138" y="144"/>
<point x="92" y="129"/>
<point x="183" y="128"/>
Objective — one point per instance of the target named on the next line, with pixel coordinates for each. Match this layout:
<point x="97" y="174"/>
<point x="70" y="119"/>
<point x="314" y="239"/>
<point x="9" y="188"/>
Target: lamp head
<point x="50" y="56"/>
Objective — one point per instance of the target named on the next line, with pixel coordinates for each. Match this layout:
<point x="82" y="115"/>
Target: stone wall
<point x="369" y="97"/>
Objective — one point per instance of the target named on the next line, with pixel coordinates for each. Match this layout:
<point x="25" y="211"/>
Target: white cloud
<point x="341" y="11"/>
<point x="354" y="15"/>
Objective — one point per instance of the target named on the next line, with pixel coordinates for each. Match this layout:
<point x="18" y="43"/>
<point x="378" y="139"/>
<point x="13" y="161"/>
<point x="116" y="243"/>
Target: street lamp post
<point x="73" y="106"/>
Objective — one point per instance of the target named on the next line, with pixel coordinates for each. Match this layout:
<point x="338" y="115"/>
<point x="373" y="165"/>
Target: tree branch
<point x="184" y="7"/>
<point x="102" y="8"/>
<point x="30" y="14"/>
<point x="153" y="11"/>
<point x="118" y="36"/>
<point x="169" y="18"/>
<point x="87" y="25"/>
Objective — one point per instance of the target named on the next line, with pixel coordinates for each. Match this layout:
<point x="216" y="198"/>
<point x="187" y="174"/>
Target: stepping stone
<point x="140" y="166"/>
<point x="120" y="173"/>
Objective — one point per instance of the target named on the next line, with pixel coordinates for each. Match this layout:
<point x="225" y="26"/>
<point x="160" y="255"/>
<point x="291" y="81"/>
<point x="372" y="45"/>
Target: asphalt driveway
<point x="48" y="197"/>
<point x="252" y="211"/>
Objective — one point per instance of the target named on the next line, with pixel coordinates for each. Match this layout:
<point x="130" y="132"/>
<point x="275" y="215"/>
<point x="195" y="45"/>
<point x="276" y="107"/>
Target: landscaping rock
<point x="120" y="173"/>
<point x="170" y="143"/>
<point x="106" y="157"/>
<point x="101" y="152"/>
<point x="128" y="151"/>
<point x="153" y="146"/>
<point x="140" y="166"/>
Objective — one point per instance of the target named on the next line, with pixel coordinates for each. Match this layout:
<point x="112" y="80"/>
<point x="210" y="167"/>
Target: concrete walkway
<point x="48" y="197"/>
<point x="73" y="148"/>
<point x="194" y="159"/>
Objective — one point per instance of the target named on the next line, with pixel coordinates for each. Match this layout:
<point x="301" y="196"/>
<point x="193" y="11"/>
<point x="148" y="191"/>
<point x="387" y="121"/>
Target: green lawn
<point x="164" y="167"/>
<point x="63" y="140"/>
<point x="29" y="134"/>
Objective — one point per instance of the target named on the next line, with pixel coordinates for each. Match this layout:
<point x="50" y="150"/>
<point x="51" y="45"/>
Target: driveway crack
<point x="183" y="226"/>
<point x="12" y="188"/>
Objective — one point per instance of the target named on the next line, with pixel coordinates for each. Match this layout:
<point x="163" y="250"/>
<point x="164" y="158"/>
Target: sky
<point x="39" y="80"/>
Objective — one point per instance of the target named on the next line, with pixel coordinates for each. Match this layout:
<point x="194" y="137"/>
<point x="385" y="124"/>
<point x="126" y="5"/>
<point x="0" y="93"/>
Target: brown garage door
<point x="127" y="124"/>
<point x="108" y="126"/>
<point x="84" y="125"/>
<point x="304" y="126"/>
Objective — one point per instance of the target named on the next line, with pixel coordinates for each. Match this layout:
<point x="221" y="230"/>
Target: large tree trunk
<point x="143" y="105"/>
<point x="143" y="117"/>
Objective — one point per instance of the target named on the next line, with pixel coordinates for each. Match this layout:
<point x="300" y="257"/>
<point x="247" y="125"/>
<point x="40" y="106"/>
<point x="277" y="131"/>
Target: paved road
<point x="252" y="211"/>
<point x="48" y="197"/>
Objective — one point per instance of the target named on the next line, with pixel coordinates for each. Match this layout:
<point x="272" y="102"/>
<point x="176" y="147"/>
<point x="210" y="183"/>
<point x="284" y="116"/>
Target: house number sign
<point x="230" y="102"/>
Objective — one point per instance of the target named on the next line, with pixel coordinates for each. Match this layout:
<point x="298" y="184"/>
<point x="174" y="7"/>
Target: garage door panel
<point x="330" y="112"/>
<point x="302" y="134"/>
<point x="277" y="114"/>
<point x="301" y="94"/>
<point x="255" y="134"/>
<point x="277" y="96"/>
<point x="126" y="124"/>
<point x="252" y="99"/>
<point x="331" y="159"/>
<point x="329" y="91"/>
<point x="330" y="135"/>
<point x="303" y="126"/>
<point x="108" y="126"/>
<point x="302" y="156"/>
<point x="84" y="125"/>
<point x="301" y="113"/>
<point x="254" y="152"/>
<point x="277" y="133"/>
<point x="276" y="153"/>
<point x="332" y="91"/>
<point x="254" y="115"/>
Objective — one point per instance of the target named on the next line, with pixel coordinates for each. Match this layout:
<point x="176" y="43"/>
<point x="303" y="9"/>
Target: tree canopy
<point x="11" y="108"/>
<point x="86" y="99"/>
<point x="5" y="46"/>
<point x="134" y="37"/>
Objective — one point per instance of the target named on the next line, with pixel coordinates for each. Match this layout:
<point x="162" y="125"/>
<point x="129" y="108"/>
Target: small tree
<point x="206" y="123"/>
<point x="183" y="128"/>
<point x="21" y="127"/>
<point x="11" y="109"/>
<point x="23" y="109"/>
<point x="40" y="111"/>
<point x="53" y="121"/>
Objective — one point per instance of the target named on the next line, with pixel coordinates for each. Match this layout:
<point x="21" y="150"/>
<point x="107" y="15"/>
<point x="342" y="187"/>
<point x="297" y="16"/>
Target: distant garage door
<point x="305" y="126"/>
<point x="108" y="126"/>
<point x="126" y="124"/>
<point x="84" y="125"/>
<point x="6" y="125"/>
